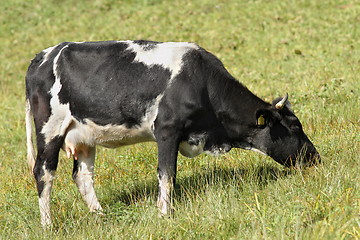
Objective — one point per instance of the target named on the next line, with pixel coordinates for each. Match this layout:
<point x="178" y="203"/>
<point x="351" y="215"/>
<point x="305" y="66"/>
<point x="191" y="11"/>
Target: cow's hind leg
<point x="44" y="171"/>
<point x="83" y="175"/>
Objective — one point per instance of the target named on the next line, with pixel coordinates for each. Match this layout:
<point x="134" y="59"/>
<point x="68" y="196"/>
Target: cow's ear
<point x="260" y="121"/>
<point x="265" y="117"/>
<point x="262" y="118"/>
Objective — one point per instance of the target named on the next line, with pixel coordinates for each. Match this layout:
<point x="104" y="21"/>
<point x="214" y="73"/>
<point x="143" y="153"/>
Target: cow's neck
<point x="235" y="106"/>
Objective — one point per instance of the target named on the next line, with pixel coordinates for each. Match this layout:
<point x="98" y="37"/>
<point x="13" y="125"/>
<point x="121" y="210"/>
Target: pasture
<point x="308" y="48"/>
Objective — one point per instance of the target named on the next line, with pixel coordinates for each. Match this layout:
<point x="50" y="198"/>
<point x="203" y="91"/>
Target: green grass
<point x="308" y="48"/>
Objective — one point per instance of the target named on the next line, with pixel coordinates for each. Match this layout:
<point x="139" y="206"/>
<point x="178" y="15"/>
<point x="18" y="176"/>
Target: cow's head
<point x="280" y="135"/>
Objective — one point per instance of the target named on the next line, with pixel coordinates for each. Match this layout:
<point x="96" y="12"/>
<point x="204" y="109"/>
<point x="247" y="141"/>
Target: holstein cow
<point x="117" y="93"/>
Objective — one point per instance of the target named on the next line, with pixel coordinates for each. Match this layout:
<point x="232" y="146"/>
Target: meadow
<point x="308" y="48"/>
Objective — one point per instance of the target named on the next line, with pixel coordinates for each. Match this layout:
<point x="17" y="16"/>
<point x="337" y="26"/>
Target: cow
<point x="115" y="93"/>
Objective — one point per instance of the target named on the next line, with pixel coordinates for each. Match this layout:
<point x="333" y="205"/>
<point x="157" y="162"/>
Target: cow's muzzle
<point x="304" y="159"/>
<point x="313" y="159"/>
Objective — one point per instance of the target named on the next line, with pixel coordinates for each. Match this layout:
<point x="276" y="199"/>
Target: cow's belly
<point x="79" y="136"/>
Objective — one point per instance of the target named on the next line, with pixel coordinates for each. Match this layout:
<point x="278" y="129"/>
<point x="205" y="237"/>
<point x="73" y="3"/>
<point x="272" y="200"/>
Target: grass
<point x="310" y="49"/>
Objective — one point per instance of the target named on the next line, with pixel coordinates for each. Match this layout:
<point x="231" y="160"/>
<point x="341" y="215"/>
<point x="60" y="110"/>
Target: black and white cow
<point x="117" y="93"/>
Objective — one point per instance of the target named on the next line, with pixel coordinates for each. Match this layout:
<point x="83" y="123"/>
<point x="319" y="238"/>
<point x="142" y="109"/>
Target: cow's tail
<point x="29" y="137"/>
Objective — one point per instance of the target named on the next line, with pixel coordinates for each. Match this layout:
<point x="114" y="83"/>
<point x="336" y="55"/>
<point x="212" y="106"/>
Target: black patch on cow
<point x="101" y="82"/>
<point x="48" y="156"/>
<point x="146" y="45"/>
<point x="75" y="169"/>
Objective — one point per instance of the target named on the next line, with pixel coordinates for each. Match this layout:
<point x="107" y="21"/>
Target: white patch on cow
<point x="44" y="199"/>
<point x="169" y="55"/>
<point x="60" y="117"/>
<point x="46" y="55"/>
<point x="164" y="199"/>
<point x="44" y="206"/>
<point x="84" y="178"/>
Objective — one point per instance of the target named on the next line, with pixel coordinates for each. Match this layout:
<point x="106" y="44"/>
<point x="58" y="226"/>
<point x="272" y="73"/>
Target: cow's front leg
<point x="168" y="149"/>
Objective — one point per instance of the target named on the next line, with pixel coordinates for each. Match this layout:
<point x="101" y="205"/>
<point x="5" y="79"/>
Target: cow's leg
<point x="168" y="149"/>
<point x="44" y="171"/>
<point x="83" y="175"/>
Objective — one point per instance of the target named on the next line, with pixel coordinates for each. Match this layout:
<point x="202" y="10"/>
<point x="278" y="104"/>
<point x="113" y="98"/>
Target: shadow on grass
<point x="198" y="181"/>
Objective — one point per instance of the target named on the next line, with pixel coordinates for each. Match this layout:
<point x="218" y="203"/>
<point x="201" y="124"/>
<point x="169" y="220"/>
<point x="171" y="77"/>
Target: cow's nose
<point x="308" y="159"/>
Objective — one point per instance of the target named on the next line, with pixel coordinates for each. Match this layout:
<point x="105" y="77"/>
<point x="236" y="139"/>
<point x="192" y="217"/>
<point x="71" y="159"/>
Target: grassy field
<point x="308" y="48"/>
